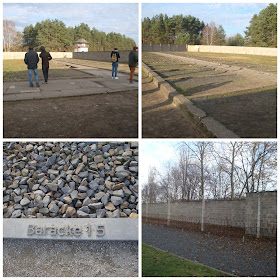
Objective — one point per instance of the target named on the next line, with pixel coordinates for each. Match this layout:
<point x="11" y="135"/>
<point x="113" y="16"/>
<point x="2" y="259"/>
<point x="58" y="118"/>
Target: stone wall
<point x="233" y="49"/>
<point x="20" y="55"/>
<point x="237" y="213"/>
<point x="101" y="56"/>
<point x="209" y="49"/>
<point x="268" y="201"/>
<point x="163" y="48"/>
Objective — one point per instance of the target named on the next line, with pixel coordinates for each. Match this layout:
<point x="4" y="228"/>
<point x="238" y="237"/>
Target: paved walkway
<point x="252" y="258"/>
<point x="101" y="82"/>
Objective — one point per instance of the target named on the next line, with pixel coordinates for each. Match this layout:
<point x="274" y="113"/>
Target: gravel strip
<point x="252" y="258"/>
<point x="70" y="180"/>
<point x="49" y="258"/>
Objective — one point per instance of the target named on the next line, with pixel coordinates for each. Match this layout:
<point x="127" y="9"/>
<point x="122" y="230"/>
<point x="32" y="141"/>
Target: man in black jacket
<point x="46" y="57"/>
<point x="115" y="62"/>
<point x="31" y="59"/>
<point x="132" y="62"/>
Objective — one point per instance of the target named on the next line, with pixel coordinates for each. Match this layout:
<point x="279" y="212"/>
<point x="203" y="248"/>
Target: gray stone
<point x="116" y="200"/>
<point x="105" y="198"/>
<point x="25" y="201"/>
<point x="51" y="160"/>
<point x="97" y="205"/>
<point x="82" y="189"/>
<point x="52" y="187"/>
<point x="54" y="208"/>
<point x="98" y="158"/>
<point x="116" y="213"/>
<point x="99" y="195"/>
<point x="46" y="200"/>
<point x="16" y="214"/>
<point x="84" y="209"/>
<point x="118" y="193"/>
<point x="100" y="213"/>
<point x="82" y="214"/>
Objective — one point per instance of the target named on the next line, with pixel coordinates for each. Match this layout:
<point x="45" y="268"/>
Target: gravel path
<point x="252" y="258"/>
<point x="49" y="258"/>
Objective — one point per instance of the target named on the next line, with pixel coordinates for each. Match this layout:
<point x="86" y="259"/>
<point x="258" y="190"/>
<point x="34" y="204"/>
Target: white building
<point x="81" y="46"/>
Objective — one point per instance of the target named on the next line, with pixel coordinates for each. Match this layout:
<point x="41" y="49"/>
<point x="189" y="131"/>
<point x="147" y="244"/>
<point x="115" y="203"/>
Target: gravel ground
<point x="252" y="258"/>
<point x="49" y="258"/>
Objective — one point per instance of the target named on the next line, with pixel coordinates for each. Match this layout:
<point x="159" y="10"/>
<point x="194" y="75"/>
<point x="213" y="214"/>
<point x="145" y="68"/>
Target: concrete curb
<point x="221" y="271"/>
<point x="71" y="228"/>
<point x="215" y="127"/>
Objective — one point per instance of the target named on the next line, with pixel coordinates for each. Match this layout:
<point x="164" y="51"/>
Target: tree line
<point x="180" y="29"/>
<point x="55" y="36"/>
<point x="213" y="170"/>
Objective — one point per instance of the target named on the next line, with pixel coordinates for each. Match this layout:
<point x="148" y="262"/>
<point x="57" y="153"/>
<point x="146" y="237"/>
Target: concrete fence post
<point x="202" y="214"/>
<point x="147" y="211"/>
<point x="259" y="217"/>
<point x="168" y="212"/>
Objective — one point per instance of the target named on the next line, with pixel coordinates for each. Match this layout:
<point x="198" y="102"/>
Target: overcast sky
<point x="107" y="17"/>
<point x="232" y="16"/>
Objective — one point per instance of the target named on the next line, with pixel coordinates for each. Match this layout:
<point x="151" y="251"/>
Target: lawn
<point x="15" y="70"/>
<point x="157" y="263"/>
<point x="256" y="59"/>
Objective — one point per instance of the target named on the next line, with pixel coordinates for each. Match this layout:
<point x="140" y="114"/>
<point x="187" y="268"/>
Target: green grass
<point x="256" y="59"/>
<point x="157" y="263"/>
<point x="13" y="65"/>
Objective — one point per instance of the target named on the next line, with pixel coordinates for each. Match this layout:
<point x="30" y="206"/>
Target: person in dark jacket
<point x="31" y="59"/>
<point x="115" y="62"/>
<point x="132" y="62"/>
<point x="46" y="57"/>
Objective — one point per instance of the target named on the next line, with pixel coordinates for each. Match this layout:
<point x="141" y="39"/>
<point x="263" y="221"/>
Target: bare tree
<point x="200" y="150"/>
<point x="9" y="34"/>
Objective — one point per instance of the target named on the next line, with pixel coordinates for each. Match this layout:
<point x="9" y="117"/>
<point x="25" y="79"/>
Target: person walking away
<point x="115" y="62"/>
<point x="132" y="62"/>
<point x="46" y="57"/>
<point x="31" y="59"/>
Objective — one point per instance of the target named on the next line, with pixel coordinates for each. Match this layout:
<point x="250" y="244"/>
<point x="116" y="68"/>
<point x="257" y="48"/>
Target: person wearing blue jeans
<point x="31" y="59"/>
<point x="30" y="76"/>
<point x="115" y="69"/>
<point x="115" y="62"/>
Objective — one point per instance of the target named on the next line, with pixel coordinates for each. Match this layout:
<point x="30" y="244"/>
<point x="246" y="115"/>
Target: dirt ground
<point x="161" y="118"/>
<point x="246" y="87"/>
<point x="248" y="115"/>
<point x="113" y="115"/>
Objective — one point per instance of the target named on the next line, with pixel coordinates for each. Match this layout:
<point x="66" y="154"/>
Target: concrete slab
<point x="14" y="91"/>
<point x="72" y="229"/>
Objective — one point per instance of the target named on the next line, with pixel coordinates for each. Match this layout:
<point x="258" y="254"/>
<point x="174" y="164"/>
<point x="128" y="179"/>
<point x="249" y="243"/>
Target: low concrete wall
<point x="237" y="213"/>
<point x="209" y="49"/>
<point x="163" y="48"/>
<point x="233" y="49"/>
<point x="20" y="55"/>
<point x="101" y="56"/>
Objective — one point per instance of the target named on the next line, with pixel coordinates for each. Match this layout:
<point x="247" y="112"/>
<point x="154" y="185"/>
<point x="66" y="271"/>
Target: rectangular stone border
<point x="109" y="228"/>
<point x="213" y="126"/>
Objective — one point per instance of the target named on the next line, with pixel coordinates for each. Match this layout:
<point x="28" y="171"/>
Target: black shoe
<point x="31" y="85"/>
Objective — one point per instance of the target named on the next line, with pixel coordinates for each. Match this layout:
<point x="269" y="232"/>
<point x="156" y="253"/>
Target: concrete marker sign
<point x="72" y="229"/>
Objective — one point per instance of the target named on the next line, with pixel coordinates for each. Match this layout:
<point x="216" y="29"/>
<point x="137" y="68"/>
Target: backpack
<point x="114" y="57"/>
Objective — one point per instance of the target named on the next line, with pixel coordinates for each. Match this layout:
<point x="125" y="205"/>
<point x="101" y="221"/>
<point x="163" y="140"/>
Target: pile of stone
<point x="70" y="180"/>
